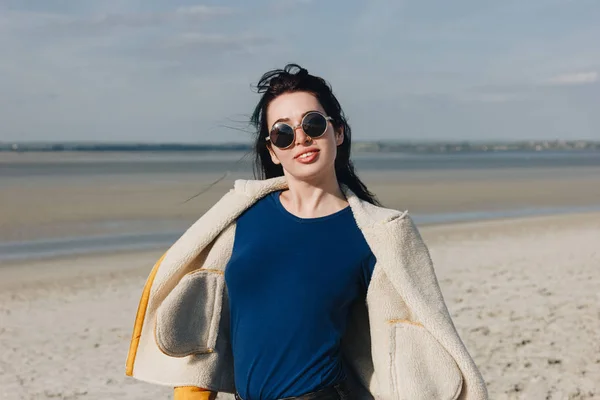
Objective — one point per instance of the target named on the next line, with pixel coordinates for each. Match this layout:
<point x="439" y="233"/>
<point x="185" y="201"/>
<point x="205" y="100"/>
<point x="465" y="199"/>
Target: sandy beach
<point x="523" y="294"/>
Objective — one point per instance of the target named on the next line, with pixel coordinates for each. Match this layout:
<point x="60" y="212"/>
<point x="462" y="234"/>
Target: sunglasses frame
<point x="294" y="127"/>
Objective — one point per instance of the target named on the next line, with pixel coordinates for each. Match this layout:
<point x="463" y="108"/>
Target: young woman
<point x="299" y="284"/>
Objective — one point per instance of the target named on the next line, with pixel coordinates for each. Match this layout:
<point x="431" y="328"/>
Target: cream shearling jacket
<point x="400" y="343"/>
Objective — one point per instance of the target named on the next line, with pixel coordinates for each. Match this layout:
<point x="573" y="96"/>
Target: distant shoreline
<point x="412" y="147"/>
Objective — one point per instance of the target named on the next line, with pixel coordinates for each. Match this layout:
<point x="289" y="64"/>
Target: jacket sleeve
<point x="193" y="393"/>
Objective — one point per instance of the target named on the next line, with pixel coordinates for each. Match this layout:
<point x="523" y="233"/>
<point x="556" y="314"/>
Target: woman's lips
<point x="308" y="157"/>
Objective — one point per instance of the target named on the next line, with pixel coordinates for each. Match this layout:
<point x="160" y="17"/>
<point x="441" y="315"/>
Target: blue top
<point x="291" y="283"/>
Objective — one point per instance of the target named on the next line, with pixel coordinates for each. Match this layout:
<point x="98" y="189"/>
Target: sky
<point x="183" y="71"/>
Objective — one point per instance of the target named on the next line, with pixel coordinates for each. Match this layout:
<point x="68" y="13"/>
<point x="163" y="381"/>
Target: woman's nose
<point x="301" y="136"/>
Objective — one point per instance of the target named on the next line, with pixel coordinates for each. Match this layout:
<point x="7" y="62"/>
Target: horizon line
<point x="232" y="143"/>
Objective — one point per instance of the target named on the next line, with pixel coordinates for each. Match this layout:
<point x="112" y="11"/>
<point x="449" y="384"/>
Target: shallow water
<point x="195" y="163"/>
<point x="115" y="235"/>
<point x="156" y="239"/>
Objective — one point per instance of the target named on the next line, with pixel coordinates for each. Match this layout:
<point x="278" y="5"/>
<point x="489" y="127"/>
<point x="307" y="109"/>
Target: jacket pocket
<point x="187" y="321"/>
<point x="420" y="366"/>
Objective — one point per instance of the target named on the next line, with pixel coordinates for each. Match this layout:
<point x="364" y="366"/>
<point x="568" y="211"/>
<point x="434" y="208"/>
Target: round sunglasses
<point x="314" y="124"/>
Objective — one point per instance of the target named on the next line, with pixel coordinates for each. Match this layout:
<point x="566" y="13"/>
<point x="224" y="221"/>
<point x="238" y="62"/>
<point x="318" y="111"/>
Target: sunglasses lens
<point x="282" y="135"/>
<point x="314" y="124"/>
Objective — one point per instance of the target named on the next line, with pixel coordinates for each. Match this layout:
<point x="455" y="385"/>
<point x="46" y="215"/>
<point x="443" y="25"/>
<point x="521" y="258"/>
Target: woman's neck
<point x="315" y="198"/>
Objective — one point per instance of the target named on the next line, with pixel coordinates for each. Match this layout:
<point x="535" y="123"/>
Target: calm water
<point x="149" y="165"/>
<point x="186" y="163"/>
<point x="36" y="249"/>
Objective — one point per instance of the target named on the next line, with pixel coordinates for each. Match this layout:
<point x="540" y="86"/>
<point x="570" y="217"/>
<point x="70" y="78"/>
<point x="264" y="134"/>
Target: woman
<point x="299" y="284"/>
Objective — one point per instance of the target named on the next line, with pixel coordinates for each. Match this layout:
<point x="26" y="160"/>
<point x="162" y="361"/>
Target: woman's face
<point x="290" y="108"/>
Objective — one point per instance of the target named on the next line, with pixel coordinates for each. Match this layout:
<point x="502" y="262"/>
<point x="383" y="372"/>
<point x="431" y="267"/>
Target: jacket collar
<point x="371" y="220"/>
<point x="366" y="214"/>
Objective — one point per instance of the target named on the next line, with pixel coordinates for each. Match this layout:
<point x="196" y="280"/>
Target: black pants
<point x="339" y="391"/>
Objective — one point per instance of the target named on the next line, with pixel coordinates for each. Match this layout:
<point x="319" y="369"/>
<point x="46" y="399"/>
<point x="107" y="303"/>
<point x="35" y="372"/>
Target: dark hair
<point x="294" y="78"/>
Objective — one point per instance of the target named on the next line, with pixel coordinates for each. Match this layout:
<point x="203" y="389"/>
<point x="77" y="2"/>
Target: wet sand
<point x="65" y="207"/>
<point x="523" y="294"/>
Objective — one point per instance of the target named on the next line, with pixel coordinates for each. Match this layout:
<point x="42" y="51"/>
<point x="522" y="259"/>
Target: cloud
<point x="23" y="21"/>
<point x="286" y="5"/>
<point x="48" y="23"/>
<point x="487" y="97"/>
<point x="580" y="78"/>
<point x="192" y="55"/>
<point x="203" y="11"/>
<point x="183" y="14"/>
<point x="217" y="42"/>
<point x="523" y="89"/>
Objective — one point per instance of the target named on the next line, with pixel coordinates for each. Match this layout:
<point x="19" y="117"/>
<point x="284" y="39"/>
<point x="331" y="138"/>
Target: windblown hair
<point x="294" y="78"/>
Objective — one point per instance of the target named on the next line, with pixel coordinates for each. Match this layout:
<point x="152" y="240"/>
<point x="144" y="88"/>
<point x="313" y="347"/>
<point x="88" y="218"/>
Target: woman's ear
<point x="273" y="155"/>
<point x="339" y="136"/>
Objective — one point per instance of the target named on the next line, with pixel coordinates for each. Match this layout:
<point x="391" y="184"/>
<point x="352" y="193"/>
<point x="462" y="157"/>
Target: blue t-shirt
<point x="291" y="283"/>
